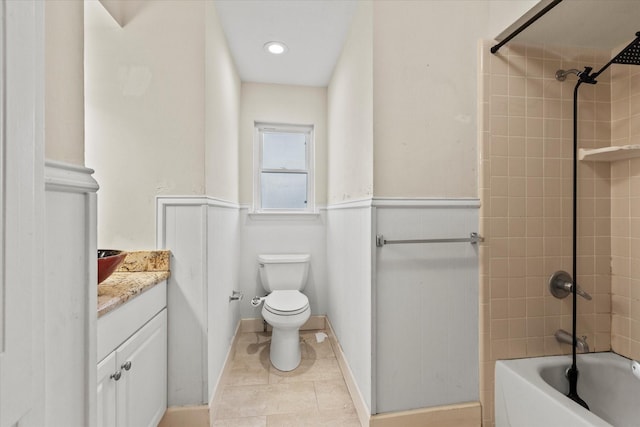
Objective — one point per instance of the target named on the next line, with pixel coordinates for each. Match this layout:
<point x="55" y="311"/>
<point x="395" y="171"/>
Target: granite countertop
<point x="140" y="271"/>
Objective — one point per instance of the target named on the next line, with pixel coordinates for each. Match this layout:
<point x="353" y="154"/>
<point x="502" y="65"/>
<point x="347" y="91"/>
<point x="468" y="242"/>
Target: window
<point x="283" y="168"/>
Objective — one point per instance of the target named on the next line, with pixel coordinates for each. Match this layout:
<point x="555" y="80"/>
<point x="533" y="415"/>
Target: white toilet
<point x="285" y="308"/>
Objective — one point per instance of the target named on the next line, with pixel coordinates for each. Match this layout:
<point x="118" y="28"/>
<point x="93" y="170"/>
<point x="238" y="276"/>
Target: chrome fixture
<point x="236" y="296"/>
<point x="473" y="238"/>
<point x="256" y="301"/>
<point x="561" y="285"/>
<point x="561" y="75"/>
<point x="566" y="338"/>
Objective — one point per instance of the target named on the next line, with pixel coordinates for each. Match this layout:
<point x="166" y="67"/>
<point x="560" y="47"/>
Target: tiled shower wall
<point x="526" y="213"/>
<point x="625" y="213"/>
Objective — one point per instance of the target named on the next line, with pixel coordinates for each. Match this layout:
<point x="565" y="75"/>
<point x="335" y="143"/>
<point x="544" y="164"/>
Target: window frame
<point x="308" y="130"/>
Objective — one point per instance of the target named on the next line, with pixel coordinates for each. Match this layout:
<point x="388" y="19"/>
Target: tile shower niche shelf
<point x="609" y="154"/>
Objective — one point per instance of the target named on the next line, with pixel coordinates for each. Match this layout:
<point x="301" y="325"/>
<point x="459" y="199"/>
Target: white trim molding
<point x="162" y="202"/>
<point x="66" y="177"/>
<point x="352" y="204"/>
<point x="400" y="202"/>
<point x="406" y="202"/>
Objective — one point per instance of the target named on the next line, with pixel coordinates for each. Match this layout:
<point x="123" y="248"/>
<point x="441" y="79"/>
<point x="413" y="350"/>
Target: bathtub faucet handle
<point x="561" y="285"/>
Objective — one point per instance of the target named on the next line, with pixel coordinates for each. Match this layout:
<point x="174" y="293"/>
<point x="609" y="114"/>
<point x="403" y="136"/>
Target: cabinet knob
<point x="116" y="376"/>
<point x="126" y="365"/>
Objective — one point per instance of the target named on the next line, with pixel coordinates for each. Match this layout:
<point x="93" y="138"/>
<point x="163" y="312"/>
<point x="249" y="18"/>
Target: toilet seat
<point x="286" y="303"/>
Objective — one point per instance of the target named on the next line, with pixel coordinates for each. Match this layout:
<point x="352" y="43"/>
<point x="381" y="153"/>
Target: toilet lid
<point x="286" y="302"/>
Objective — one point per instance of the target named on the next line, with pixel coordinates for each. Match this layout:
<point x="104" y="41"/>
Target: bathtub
<point x="532" y="392"/>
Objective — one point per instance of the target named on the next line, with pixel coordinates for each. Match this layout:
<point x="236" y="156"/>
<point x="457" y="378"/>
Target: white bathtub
<point x="532" y="392"/>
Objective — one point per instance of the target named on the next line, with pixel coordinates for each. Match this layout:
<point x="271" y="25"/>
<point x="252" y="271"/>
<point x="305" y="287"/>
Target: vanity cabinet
<point x="132" y="376"/>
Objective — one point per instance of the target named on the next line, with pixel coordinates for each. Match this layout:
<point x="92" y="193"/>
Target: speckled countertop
<point x="140" y="271"/>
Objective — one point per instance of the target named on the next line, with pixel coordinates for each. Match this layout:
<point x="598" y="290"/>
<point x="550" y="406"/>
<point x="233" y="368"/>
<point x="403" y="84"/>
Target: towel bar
<point x="473" y="238"/>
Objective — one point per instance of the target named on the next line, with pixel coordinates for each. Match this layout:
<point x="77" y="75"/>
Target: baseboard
<point x="459" y="415"/>
<point x="257" y="325"/>
<point x="359" y="403"/>
<point x="181" y="416"/>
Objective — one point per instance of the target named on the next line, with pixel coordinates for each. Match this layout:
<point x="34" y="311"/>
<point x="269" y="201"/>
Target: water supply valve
<point x="256" y="301"/>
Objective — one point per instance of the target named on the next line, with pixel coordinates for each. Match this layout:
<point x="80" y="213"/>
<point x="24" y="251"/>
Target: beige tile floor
<point x="255" y="394"/>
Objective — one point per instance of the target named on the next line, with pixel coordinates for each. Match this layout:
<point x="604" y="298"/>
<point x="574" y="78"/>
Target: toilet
<point x="285" y="308"/>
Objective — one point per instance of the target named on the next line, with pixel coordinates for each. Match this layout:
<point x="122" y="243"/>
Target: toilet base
<point x="285" y="354"/>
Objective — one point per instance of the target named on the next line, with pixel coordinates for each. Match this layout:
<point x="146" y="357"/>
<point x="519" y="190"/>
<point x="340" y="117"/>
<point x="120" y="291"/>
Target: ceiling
<point x="601" y="24"/>
<point x="313" y="30"/>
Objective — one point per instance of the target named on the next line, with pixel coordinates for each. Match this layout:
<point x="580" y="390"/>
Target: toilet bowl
<point x="285" y="308"/>
<point x="286" y="312"/>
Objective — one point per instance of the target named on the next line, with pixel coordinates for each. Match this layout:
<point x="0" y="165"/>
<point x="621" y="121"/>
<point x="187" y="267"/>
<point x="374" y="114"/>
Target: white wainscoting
<point x="283" y="234"/>
<point x="223" y="316"/>
<point x="181" y="226"/>
<point x="349" y="295"/>
<point x="70" y="295"/>
<point x="214" y="246"/>
<point x="202" y="235"/>
<point x="426" y="322"/>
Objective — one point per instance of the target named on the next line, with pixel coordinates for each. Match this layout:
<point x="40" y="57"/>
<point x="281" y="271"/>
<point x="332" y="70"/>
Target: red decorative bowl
<point x="108" y="261"/>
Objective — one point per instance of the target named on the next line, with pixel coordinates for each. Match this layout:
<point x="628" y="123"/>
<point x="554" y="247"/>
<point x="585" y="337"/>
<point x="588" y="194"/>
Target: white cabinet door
<point x="107" y="383"/>
<point x="142" y="389"/>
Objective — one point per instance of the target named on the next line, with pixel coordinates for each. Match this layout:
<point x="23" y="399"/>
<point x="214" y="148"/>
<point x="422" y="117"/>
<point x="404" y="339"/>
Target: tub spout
<point x="566" y="338"/>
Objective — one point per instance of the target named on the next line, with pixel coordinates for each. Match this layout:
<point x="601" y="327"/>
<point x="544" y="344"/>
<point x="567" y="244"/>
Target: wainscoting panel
<point x="203" y="237"/>
<point x="349" y="307"/>
<point x="183" y="227"/>
<point x="426" y="319"/>
<point x="222" y="277"/>
<point x="70" y="295"/>
<point x="283" y="234"/>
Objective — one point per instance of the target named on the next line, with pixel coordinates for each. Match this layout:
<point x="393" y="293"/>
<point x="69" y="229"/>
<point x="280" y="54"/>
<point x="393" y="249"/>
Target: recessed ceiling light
<point x="276" y="48"/>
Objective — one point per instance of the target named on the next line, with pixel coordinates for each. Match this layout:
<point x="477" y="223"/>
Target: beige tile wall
<point x="625" y="214"/>
<point x="526" y="193"/>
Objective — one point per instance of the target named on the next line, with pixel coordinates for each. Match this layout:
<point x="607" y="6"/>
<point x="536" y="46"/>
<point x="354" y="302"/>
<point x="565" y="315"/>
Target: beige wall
<point x="271" y="103"/>
<point x="526" y="192"/>
<point x="402" y="99"/>
<point x="425" y="83"/>
<point x="222" y="113"/>
<point x="64" y="70"/>
<point x="625" y="213"/>
<point x="350" y="111"/>
<point x="147" y="106"/>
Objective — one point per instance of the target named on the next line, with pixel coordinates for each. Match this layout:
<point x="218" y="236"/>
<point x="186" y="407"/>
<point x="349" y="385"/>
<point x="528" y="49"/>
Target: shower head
<point x="561" y="75"/>
<point x="630" y="54"/>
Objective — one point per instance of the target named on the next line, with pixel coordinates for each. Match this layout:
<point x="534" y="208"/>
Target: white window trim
<point x="310" y="167"/>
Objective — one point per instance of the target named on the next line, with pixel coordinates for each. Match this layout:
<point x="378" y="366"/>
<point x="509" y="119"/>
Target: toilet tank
<point x="283" y="271"/>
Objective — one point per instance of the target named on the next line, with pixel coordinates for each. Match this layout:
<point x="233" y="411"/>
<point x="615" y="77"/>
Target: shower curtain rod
<point x="530" y="21"/>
